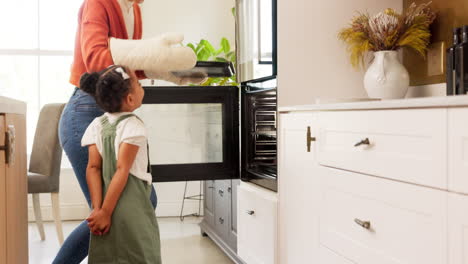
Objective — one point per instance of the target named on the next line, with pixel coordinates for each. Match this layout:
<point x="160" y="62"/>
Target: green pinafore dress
<point x="133" y="237"/>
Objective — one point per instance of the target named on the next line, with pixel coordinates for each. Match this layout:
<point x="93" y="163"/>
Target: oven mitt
<point x="157" y="57"/>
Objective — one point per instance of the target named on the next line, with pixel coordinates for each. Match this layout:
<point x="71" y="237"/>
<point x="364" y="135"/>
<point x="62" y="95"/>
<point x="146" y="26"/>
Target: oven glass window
<point x="184" y="133"/>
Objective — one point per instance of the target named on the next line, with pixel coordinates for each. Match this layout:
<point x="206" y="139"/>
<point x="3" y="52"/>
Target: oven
<point x="258" y="133"/>
<point x="222" y="132"/>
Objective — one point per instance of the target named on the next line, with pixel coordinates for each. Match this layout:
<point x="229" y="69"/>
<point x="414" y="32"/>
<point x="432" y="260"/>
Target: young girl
<point x="123" y="222"/>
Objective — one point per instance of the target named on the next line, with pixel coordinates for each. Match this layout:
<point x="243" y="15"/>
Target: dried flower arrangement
<point x="388" y="30"/>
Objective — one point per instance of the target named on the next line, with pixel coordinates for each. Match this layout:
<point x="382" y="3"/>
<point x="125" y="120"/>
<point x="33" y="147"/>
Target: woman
<point x="104" y="27"/>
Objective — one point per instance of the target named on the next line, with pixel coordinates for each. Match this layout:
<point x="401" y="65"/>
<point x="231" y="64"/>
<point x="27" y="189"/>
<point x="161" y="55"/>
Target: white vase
<point x="386" y="77"/>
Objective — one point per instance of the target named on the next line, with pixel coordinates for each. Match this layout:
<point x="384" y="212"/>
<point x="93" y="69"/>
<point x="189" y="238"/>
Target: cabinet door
<point x="222" y="209"/>
<point x="16" y="194"/>
<point x="233" y="218"/>
<point x="257" y="224"/>
<point x="208" y="207"/>
<point x="458" y="228"/>
<point x="3" y="244"/>
<point x="298" y="190"/>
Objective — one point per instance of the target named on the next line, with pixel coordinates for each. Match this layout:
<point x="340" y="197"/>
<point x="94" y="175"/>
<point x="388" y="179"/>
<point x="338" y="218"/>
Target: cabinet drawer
<point x="328" y="256"/>
<point x="407" y="223"/>
<point x="257" y="224"/>
<point x="407" y="145"/>
<point x="458" y="150"/>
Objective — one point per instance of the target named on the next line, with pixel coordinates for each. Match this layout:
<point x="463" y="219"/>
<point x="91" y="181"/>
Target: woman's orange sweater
<point x="98" y="21"/>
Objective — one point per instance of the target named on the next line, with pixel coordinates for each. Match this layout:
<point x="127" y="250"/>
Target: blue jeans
<point x="77" y="115"/>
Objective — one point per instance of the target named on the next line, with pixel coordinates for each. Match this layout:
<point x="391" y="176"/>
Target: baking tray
<point x="208" y="69"/>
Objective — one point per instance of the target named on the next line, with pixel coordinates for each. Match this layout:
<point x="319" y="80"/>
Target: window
<point x="36" y="53"/>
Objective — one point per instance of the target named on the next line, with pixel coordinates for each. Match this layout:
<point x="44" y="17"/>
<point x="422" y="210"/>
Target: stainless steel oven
<point x="257" y="71"/>
<point x="259" y="131"/>
<point x="221" y="132"/>
<point x="201" y="133"/>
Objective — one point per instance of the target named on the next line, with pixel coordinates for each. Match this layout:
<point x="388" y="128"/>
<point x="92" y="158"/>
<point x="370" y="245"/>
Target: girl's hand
<point x="91" y="217"/>
<point x="99" y="221"/>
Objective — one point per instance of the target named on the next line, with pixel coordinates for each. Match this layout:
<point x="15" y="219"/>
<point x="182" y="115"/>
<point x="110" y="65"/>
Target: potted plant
<point x="383" y="35"/>
<point x="206" y="52"/>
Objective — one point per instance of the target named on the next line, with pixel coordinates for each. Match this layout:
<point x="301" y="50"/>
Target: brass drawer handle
<point x="309" y="139"/>
<point x="362" y="142"/>
<point x="363" y="224"/>
<point x="9" y="146"/>
<point x="250" y="212"/>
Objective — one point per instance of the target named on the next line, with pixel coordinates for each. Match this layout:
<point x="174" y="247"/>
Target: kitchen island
<point x="13" y="182"/>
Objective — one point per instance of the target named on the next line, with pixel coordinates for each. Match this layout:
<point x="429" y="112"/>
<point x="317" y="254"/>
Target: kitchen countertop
<point x="12" y="106"/>
<point x="423" y="102"/>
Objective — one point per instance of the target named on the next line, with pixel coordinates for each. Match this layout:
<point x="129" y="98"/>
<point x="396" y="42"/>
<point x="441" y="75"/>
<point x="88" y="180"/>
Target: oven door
<point x="193" y="132"/>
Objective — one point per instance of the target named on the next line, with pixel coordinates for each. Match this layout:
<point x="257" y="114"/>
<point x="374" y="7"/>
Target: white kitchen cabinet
<point x="368" y="220"/>
<point x="374" y="141"/>
<point x="401" y="197"/>
<point x="458" y="150"/>
<point x="458" y="228"/>
<point x="257" y="224"/>
<point x="329" y="256"/>
<point x="297" y="189"/>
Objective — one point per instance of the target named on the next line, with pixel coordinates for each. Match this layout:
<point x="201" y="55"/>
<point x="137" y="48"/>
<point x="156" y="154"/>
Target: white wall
<point x="312" y="62"/>
<point x="208" y="19"/>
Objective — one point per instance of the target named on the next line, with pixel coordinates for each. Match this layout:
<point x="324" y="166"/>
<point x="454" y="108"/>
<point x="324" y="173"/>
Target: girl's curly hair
<point x="108" y="86"/>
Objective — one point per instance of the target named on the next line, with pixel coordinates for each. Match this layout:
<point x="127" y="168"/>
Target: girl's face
<point x="136" y="91"/>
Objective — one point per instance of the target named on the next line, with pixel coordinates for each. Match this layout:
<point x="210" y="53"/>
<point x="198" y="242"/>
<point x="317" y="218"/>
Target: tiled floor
<point x="181" y="243"/>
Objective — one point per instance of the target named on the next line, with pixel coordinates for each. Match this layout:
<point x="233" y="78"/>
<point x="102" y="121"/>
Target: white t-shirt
<point x="130" y="130"/>
<point x="127" y="11"/>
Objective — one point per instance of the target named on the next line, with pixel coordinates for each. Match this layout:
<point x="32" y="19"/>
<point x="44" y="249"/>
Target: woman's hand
<point x="99" y="221"/>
